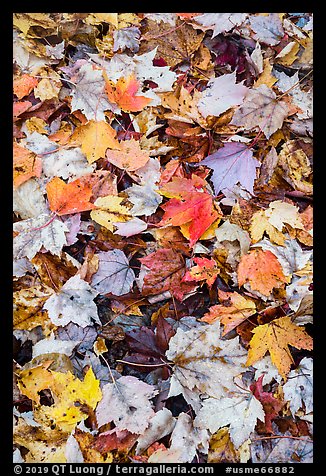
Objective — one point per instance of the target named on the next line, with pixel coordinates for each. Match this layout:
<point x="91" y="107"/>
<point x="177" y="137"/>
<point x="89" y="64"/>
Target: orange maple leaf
<point x="262" y="270"/>
<point x="130" y="156"/>
<point x="24" y="85"/>
<point x="124" y="94"/>
<point x="26" y="165"/>
<point x="73" y="197"/>
<point x="205" y="270"/>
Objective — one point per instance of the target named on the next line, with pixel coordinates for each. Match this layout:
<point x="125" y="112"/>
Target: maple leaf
<point x="183" y="42"/>
<point x="89" y="93"/>
<point x="23" y="85"/>
<point x="187" y="438"/>
<point x="34" y="233"/>
<point x="160" y="425"/>
<point x="130" y="156"/>
<point x="221" y="94"/>
<point x="272" y="406"/>
<point x="232" y="163"/>
<point x="283" y="450"/>
<point x="144" y="198"/>
<point x="221" y="448"/>
<point x="126" y="38"/>
<point x="127" y="403"/>
<point x="27" y="306"/>
<point x="26" y="165"/>
<point x="262" y="270"/>
<point x="261" y="108"/>
<point x="114" y="274"/>
<point x="68" y="198"/>
<point x="74" y="294"/>
<point x="299" y="387"/>
<point x="195" y="208"/>
<point x="67" y="163"/>
<point x="206" y="270"/>
<point x="124" y="94"/>
<point x="164" y="271"/>
<point x="94" y="138"/>
<point x="275" y="337"/>
<point x="109" y="211"/>
<point x="200" y="360"/>
<point x="268" y="29"/>
<point x="240" y="412"/>
<point x="219" y="22"/>
<point x="28" y="200"/>
<point x="233" y="310"/>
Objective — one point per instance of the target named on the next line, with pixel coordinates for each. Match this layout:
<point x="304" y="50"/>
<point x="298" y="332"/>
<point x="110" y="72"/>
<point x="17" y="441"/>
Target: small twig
<point x="282" y="436"/>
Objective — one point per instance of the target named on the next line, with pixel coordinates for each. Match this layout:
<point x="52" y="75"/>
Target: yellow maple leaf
<point x="260" y="225"/>
<point x="275" y="337"/>
<point x="110" y="211"/>
<point x="95" y="138"/>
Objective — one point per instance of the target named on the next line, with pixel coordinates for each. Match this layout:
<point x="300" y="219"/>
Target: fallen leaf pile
<point x="162" y="237"/>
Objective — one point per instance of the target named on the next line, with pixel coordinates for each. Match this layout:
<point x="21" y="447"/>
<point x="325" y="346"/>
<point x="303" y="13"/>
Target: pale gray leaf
<point x="114" y="274"/>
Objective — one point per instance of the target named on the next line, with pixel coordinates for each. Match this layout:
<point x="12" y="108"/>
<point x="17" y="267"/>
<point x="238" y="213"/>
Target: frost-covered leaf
<point x="74" y="303"/>
<point x="126" y="38"/>
<point x="221" y="94"/>
<point x="114" y="274"/>
<point x="299" y="387"/>
<point x="241" y="412"/>
<point x="34" y="233"/>
<point x="52" y="345"/>
<point x="203" y="362"/>
<point x="127" y="403"/>
<point x="261" y="109"/>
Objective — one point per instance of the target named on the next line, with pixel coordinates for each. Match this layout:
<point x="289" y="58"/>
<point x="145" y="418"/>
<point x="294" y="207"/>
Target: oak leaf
<point x="233" y="310"/>
<point x="262" y="270"/>
<point x="275" y="337"/>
